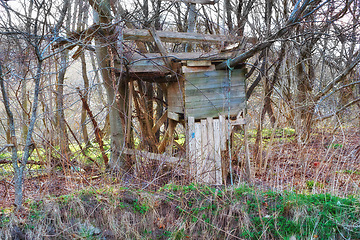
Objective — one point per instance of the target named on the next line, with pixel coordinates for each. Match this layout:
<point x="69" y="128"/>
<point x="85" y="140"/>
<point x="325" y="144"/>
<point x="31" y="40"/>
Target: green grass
<point x="335" y="145"/>
<point x="356" y="172"/>
<point x="92" y="151"/>
<point x="280" y="132"/>
<point x="193" y="211"/>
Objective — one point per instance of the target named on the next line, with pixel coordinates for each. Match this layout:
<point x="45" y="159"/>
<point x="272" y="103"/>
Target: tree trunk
<point x="19" y="166"/>
<point x="24" y="106"/>
<point x="115" y="89"/>
<point x="228" y="9"/>
<point x="14" y="156"/>
<point x="83" y="110"/>
<point x="60" y="115"/>
<point x="304" y="99"/>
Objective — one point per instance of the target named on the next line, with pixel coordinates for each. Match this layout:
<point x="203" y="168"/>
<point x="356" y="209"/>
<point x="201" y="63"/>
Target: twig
<point x="81" y="148"/>
<point x="28" y="162"/>
<point x="96" y="128"/>
<point x="6" y="146"/>
<point x="338" y="111"/>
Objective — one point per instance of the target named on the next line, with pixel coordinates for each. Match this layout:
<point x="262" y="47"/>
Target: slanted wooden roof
<point x="175" y="37"/>
<point x="152" y="67"/>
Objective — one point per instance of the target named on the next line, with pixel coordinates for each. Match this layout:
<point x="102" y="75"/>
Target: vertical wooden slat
<point x="197" y="150"/>
<point x="191" y="147"/>
<point x="129" y="115"/>
<point x="204" y="177"/>
<point x="223" y="133"/>
<point x="171" y="128"/>
<point x="217" y="136"/>
<point x="211" y="149"/>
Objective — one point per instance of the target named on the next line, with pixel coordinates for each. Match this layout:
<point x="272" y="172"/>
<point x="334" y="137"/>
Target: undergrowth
<point x="184" y="212"/>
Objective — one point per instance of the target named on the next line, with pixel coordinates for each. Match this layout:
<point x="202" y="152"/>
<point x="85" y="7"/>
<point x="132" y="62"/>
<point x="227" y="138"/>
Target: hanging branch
<point x="293" y="21"/>
<point x="79" y="144"/>
<point x="96" y="128"/>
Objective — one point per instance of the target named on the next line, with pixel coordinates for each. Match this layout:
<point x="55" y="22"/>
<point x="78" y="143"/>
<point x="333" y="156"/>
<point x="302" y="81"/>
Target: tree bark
<point x="228" y="9"/>
<point x="60" y="115"/>
<point x="14" y="156"/>
<point x="83" y="110"/>
<point x="115" y="88"/>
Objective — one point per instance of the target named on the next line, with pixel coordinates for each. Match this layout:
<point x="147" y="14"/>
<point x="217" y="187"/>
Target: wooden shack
<point x="212" y="102"/>
<point x="204" y="92"/>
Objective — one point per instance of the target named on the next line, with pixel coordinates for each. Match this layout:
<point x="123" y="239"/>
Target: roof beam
<point x="177" y="37"/>
<point x="212" y="2"/>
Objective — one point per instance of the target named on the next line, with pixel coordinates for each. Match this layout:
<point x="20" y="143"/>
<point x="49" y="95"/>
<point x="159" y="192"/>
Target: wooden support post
<point x="167" y="141"/>
<point x="161" y="47"/>
<point x="162" y="144"/>
<point x="172" y="125"/>
<point x="144" y="119"/>
<point x="160" y="122"/>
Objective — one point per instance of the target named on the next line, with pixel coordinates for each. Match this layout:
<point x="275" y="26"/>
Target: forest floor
<point x="306" y="192"/>
<point x="328" y="163"/>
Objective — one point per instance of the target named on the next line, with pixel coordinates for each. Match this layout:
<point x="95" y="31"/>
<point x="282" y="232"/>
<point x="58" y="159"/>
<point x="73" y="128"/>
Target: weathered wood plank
<point x="207" y="93"/>
<point x="198" y="63"/>
<point x="192" y="150"/>
<point x="239" y="121"/>
<point x="205" y="170"/>
<point x="223" y="132"/>
<point x="217" y="104"/>
<point x="217" y="139"/>
<point x="186" y="69"/>
<point x="177" y="37"/>
<point x="208" y="112"/>
<point x="238" y="89"/>
<point x="211" y="149"/>
<point x="175" y="98"/>
<point x="161" y="47"/>
<point x="198" y="149"/>
<point x="173" y="116"/>
<point x="160" y="122"/>
<point x="182" y="56"/>
<point x="215" y="93"/>
<point x="203" y="79"/>
<point x="205" y="82"/>
<point x="154" y="65"/>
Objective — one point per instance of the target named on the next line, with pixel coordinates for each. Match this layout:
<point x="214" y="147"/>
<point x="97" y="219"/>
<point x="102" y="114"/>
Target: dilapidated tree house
<point x="178" y="107"/>
<point x="206" y="101"/>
